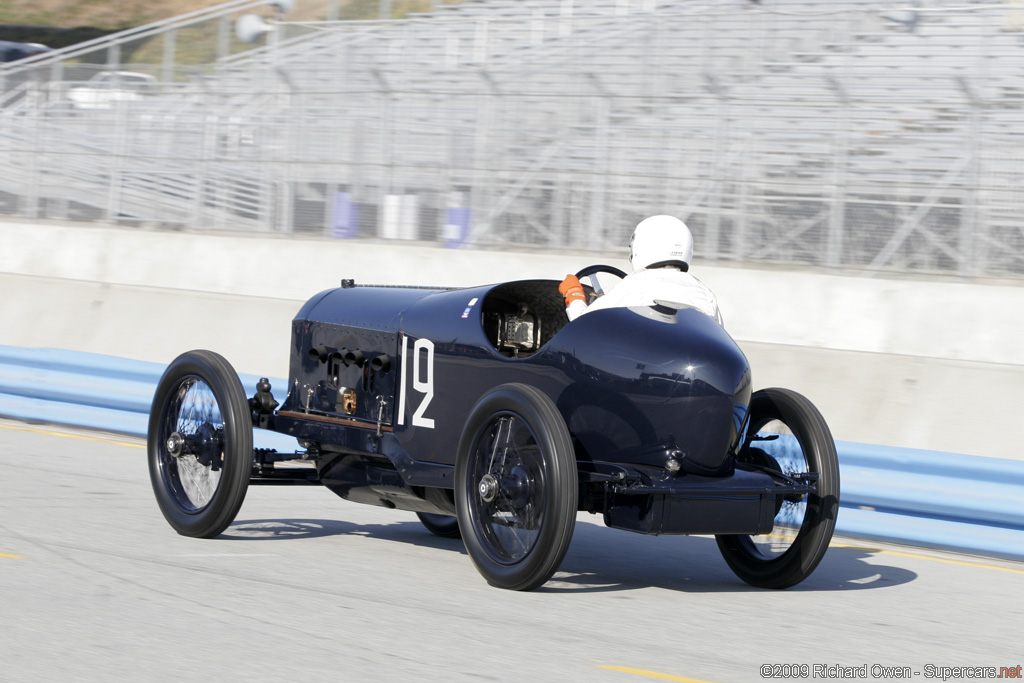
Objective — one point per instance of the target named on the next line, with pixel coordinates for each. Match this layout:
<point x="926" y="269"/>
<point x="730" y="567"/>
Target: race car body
<point x="487" y="408"/>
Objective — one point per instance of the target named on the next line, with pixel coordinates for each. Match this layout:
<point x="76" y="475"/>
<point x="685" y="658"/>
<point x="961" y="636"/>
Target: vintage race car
<point x="493" y="417"/>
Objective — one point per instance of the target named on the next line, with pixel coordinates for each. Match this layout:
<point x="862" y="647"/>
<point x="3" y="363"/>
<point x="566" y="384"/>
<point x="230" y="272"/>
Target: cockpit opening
<point x="520" y="317"/>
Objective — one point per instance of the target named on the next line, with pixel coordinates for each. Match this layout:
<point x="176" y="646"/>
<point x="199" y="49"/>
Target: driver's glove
<point x="572" y="290"/>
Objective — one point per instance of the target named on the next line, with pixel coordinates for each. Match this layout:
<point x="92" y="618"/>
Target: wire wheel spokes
<point x="192" y="444"/>
<point x="775" y="446"/>
<point x="508" y="474"/>
<point x="199" y="444"/>
<point x="516" y="488"/>
<point x="788" y="435"/>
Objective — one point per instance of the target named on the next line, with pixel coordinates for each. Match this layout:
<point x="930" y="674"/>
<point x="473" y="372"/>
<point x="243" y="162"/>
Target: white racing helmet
<point x="660" y="241"/>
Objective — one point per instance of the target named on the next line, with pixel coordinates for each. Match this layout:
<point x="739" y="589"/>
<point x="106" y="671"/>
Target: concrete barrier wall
<point x="905" y="363"/>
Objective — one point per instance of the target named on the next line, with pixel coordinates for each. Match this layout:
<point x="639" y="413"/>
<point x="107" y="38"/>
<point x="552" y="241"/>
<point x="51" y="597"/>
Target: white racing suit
<point x="644" y="286"/>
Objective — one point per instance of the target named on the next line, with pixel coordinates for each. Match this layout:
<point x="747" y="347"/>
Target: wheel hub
<point x="206" y="445"/>
<point x="175" y="444"/>
<point x="488" y="488"/>
<point x="517" y="487"/>
<point x="209" y="446"/>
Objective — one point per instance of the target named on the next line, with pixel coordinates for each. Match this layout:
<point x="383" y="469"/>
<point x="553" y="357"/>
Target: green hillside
<point x="62" y="22"/>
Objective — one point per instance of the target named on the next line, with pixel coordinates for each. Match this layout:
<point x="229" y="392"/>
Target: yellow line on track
<point x="11" y="557"/>
<point x="914" y="556"/>
<point x="80" y="437"/>
<point x="651" y="674"/>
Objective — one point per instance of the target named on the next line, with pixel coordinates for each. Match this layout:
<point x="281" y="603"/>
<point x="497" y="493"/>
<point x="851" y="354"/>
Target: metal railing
<point x="848" y="135"/>
<point x="923" y="498"/>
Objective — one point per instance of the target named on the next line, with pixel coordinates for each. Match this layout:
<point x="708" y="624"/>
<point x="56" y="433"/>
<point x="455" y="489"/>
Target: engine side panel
<point x="344" y="356"/>
<point x="342" y="371"/>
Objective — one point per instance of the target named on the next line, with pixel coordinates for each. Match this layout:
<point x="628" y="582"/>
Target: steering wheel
<point x="591" y="272"/>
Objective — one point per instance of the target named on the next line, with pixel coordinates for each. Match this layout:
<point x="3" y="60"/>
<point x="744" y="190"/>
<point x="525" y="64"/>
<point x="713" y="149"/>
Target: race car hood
<point x="374" y="307"/>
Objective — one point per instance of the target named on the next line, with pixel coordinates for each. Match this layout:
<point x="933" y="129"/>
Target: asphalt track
<point x="95" y="586"/>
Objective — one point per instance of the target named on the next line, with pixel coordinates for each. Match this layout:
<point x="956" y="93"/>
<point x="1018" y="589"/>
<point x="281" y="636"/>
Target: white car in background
<point x="106" y="88"/>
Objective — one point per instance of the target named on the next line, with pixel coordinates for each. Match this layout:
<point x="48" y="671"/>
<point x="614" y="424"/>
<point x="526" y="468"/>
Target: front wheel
<point x="200" y="444"/>
<point x="516" y="487"/>
<point x="787" y="434"/>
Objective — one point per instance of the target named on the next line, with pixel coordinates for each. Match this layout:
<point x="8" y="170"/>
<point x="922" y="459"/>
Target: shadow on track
<point x="412" y="533"/>
<point x="604" y="560"/>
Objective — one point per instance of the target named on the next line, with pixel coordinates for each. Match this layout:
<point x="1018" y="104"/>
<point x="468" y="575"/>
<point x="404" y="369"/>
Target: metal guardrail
<point x="94" y="391"/>
<point x="923" y="498"/>
<point x="934" y="499"/>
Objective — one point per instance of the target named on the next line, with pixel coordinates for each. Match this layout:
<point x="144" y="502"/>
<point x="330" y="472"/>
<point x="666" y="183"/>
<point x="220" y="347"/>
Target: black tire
<point x="803" y="524"/>
<point x="516" y="510"/>
<point x="200" y="444"/>
<point x="445" y="526"/>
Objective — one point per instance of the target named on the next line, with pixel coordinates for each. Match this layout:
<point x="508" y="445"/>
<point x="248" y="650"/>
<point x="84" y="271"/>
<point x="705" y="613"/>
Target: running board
<point x="268" y="475"/>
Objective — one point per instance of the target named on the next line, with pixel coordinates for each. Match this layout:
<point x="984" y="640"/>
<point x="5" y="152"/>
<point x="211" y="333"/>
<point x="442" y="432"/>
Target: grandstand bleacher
<point x="843" y="134"/>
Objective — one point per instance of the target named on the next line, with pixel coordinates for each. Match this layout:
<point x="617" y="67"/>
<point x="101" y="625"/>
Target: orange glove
<point x="572" y="290"/>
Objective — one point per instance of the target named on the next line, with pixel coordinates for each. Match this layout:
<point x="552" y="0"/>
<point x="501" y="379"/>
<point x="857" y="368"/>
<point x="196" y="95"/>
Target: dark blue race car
<point x="495" y="419"/>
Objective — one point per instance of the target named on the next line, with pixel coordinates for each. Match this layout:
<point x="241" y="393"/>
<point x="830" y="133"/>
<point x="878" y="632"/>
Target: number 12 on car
<point x="421" y="363"/>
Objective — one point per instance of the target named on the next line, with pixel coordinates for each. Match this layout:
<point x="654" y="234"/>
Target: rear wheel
<point x="516" y="487"/>
<point x="200" y="444"/>
<point x="788" y="434"/>
<point x="445" y="526"/>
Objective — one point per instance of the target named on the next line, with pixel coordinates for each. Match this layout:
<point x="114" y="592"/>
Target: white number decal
<point x="426" y="387"/>
<point x="423" y="386"/>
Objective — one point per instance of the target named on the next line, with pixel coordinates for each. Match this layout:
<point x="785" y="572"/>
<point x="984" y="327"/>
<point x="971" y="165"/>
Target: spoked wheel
<point x="789" y="435"/>
<point x="440" y="525"/>
<point x="200" y="444"/>
<point x="516" y="487"/>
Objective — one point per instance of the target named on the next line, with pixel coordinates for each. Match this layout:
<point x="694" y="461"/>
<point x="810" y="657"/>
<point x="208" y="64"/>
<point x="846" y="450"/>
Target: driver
<point x="660" y="252"/>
